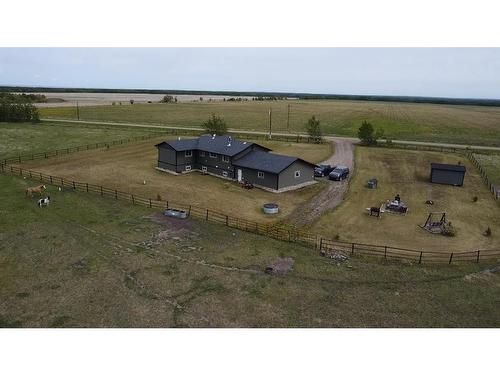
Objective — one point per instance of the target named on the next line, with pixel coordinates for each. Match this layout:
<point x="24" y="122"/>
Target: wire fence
<point x="311" y="240"/>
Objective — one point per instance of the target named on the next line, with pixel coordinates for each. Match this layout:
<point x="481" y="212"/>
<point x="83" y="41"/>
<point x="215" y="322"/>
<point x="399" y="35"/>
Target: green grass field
<point x="20" y="138"/>
<point x="491" y="165"/>
<point x="409" y="121"/>
<point x="90" y="262"/>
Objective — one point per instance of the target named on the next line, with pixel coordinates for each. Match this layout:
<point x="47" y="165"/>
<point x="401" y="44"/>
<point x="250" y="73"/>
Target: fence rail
<point x="275" y="231"/>
<point x="494" y="189"/>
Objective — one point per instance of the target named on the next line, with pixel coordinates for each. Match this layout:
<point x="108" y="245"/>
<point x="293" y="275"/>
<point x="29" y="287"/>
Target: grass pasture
<point x="407" y="173"/>
<point x="126" y="168"/>
<point x="491" y="165"/>
<point x="90" y="262"/>
<point x="21" y="138"/>
<point x="409" y="121"/>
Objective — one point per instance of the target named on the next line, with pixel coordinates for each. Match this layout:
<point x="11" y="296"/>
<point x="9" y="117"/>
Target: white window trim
<point x="212" y="155"/>
<point x="260" y="174"/>
<point x="225" y="158"/>
<point x="190" y="153"/>
<point x="224" y="174"/>
<point x="188" y="168"/>
<point x="297" y="174"/>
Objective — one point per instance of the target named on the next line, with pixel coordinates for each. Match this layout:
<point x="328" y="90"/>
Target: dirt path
<point x="333" y="195"/>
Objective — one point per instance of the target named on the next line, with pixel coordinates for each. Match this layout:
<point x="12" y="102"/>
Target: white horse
<point x="43" y="202"/>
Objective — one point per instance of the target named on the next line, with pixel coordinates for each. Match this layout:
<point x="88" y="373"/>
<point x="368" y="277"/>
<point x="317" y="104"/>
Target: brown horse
<point x="35" y="189"/>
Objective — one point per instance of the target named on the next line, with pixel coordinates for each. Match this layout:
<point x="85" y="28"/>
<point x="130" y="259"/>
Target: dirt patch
<point x="333" y="195"/>
<point x="171" y="223"/>
<point x="483" y="275"/>
<point x="280" y="266"/>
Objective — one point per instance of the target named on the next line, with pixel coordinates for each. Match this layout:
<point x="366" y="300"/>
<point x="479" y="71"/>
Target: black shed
<point x="448" y="174"/>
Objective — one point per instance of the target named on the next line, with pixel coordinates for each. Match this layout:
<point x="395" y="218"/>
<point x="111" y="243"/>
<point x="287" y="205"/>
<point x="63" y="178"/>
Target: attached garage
<point x="447" y="174"/>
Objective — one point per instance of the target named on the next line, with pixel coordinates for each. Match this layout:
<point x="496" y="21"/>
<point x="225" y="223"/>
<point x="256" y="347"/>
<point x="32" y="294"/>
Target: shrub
<point x="215" y="125"/>
<point x="449" y="230"/>
<point x="487" y="232"/>
<point x="158" y="197"/>
<point x="475" y="198"/>
<point x="313" y="128"/>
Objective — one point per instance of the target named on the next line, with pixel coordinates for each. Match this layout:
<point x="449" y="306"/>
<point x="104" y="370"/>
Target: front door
<point x="240" y="175"/>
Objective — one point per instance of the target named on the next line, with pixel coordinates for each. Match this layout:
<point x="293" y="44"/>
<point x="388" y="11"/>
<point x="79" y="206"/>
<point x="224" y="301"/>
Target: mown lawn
<point x="407" y="173"/>
<point x="21" y="138"/>
<point x="90" y="262"/>
<point x="408" y="121"/>
<point x="127" y="167"/>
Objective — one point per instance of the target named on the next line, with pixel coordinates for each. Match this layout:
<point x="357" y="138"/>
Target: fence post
<point x="420" y="258"/>
<point x="451" y="257"/>
<point x="206" y="217"/>
<point x="74" y="187"/>
<point x="227" y="220"/>
<point x="116" y="194"/>
<point x="477" y="259"/>
<point x="385" y="252"/>
<point x="101" y="192"/>
<point x="321" y="244"/>
<point x="87" y="187"/>
<point x="133" y="200"/>
<point x="149" y="202"/>
<point x="352" y="248"/>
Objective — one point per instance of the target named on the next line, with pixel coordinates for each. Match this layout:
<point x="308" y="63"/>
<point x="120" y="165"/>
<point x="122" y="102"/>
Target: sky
<point x="437" y="72"/>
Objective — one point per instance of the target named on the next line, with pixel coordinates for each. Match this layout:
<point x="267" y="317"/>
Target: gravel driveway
<point x="331" y="196"/>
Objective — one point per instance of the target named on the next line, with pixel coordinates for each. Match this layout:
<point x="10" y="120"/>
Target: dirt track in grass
<point x="332" y="196"/>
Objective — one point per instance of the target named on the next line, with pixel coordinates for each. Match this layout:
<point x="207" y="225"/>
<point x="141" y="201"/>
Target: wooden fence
<point x="275" y="231"/>
<point x="495" y="189"/>
<point x="69" y="150"/>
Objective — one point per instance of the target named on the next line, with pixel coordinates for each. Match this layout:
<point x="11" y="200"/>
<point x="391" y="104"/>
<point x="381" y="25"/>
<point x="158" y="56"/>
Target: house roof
<point x="266" y="161"/>
<point x="221" y="144"/>
<point x="448" y="167"/>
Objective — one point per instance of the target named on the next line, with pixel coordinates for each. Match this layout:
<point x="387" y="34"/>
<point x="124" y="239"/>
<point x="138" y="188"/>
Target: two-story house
<point x="225" y="157"/>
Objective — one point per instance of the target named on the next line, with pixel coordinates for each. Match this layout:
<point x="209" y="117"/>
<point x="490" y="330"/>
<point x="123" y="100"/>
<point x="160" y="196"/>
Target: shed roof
<point x="266" y="161"/>
<point x="448" y="167"/>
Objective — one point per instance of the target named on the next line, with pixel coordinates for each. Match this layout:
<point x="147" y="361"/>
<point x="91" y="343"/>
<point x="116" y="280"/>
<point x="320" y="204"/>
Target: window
<point x="204" y="169"/>
<point x="225" y="158"/>
<point x="188" y="168"/>
<point x="260" y="174"/>
<point x="297" y="174"/>
<point x="202" y="154"/>
<point x="212" y="155"/>
<point x="224" y="174"/>
<point x="188" y="153"/>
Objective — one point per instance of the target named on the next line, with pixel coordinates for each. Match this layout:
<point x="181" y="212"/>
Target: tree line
<point x="18" y="107"/>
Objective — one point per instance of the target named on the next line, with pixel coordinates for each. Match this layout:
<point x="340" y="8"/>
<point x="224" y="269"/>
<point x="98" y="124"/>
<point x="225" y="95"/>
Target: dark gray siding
<point x="447" y="177"/>
<point x="270" y="180"/>
<point x="167" y="158"/>
<point x="215" y="165"/>
<point x="287" y="176"/>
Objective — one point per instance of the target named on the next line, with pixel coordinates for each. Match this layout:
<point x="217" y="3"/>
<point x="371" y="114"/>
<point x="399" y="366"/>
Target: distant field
<point x="407" y="173"/>
<point x="92" y="262"/>
<point x="126" y="168"/>
<point x="491" y="164"/>
<point x="20" y="138"/>
<point x="408" y="121"/>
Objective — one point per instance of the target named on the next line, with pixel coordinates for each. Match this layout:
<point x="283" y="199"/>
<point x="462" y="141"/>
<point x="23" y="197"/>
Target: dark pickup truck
<point x="339" y="173"/>
<point x="322" y="170"/>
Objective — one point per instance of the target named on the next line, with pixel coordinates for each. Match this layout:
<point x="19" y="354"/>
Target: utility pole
<point x="270" y="123"/>
<point x="288" y="120"/>
<point x="77" y="111"/>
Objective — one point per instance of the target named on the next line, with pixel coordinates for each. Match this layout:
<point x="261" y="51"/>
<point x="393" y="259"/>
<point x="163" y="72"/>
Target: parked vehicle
<point x="178" y="214"/>
<point x="323" y="170"/>
<point x="339" y="173"/>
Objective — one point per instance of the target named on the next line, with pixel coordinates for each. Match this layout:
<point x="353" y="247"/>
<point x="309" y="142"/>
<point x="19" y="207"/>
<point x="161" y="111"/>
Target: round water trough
<point x="270" y="208"/>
